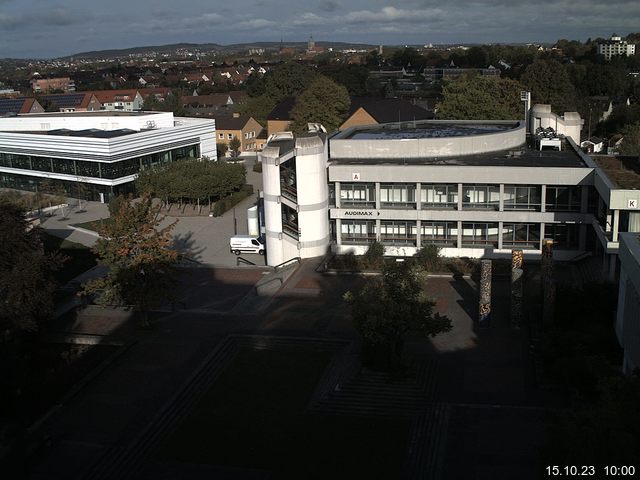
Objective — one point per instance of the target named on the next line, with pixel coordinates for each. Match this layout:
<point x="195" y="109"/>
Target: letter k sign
<point x="632" y="204"/>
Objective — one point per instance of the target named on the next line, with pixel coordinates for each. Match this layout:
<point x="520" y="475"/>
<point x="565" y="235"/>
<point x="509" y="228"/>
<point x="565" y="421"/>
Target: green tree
<point x="323" y="102"/>
<point x="234" y="146"/>
<point x="631" y="140"/>
<point x="221" y="149"/>
<point x="481" y="98"/>
<point x="140" y="256"/>
<point x="26" y="283"/>
<point x="389" y="307"/>
<point x="549" y="83"/>
<point x="258" y="107"/>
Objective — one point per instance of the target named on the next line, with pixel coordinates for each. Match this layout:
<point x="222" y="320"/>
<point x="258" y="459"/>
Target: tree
<point x="323" y="102"/>
<point x="481" y="98"/>
<point x="389" y="307"/>
<point x="140" y="256"/>
<point x="631" y="140"/>
<point x="26" y="284"/>
<point x="221" y="149"/>
<point x="549" y="83"/>
<point x="234" y="146"/>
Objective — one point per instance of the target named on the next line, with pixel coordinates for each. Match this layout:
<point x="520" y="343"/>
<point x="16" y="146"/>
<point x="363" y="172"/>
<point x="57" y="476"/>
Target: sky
<point x="52" y="28"/>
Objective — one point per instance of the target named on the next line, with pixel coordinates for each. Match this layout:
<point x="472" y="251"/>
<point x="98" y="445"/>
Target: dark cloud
<point x="328" y="6"/>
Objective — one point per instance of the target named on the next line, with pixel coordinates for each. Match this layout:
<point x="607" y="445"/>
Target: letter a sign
<point x="355" y="177"/>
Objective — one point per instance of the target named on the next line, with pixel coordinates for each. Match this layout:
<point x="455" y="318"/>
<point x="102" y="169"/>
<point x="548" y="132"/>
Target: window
<point x="230" y="136"/>
<point x="290" y="222"/>
<point x="361" y="232"/>
<point x="521" y="235"/>
<point x="288" y="181"/>
<point x="481" y="196"/>
<point x="522" y="197"/>
<point x="360" y="195"/>
<point x="63" y="165"/>
<point x="439" y="195"/>
<point x="87" y="169"/>
<point x="398" y="195"/>
<point x="42" y="164"/>
<point x="439" y="233"/>
<point x="395" y="232"/>
<point x="479" y="234"/>
<point x="563" y="199"/>
<point x="221" y="136"/>
<point x="565" y="237"/>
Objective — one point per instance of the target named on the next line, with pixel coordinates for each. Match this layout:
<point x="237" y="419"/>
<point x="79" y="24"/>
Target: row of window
<point x="83" y="168"/>
<point x="446" y="234"/>
<point x="446" y="196"/>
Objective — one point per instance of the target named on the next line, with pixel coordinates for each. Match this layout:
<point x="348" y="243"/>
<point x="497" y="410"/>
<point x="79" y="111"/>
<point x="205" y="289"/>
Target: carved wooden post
<point x="484" y="316"/>
<point x="516" y="288"/>
<point x="548" y="282"/>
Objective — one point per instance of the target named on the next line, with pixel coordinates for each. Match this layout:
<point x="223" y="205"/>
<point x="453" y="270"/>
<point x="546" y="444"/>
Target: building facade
<point x="616" y="46"/>
<point x="103" y="150"/>
<point x="628" y="314"/>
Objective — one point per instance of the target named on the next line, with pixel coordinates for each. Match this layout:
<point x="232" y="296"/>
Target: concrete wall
<point x="84" y="120"/>
<point x="569" y="125"/>
<point x="344" y="147"/>
<point x="628" y="314"/>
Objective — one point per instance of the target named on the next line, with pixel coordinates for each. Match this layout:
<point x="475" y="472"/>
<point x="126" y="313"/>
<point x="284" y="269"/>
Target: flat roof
<point x="624" y="172"/>
<point x="426" y="130"/>
<point x="519" y="157"/>
<point x="97" y="113"/>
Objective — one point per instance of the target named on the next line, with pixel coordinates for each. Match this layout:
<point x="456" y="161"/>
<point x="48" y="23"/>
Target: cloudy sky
<point x="49" y="28"/>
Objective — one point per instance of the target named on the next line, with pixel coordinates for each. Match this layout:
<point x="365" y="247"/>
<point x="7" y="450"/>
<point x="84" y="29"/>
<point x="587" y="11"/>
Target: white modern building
<point x="474" y="188"/>
<point x="615" y="46"/>
<point x="104" y="150"/>
<point x="628" y="315"/>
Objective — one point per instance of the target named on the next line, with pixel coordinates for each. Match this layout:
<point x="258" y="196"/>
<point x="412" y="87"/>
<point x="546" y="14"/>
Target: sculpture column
<point x="516" y="288"/>
<point x="484" y="316"/>
<point x="548" y="282"/>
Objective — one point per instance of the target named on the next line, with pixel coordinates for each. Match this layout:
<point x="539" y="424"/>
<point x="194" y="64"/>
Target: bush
<point x="115" y="204"/>
<point x="257" y="167"/>
<point x="429" y="257"/>
<point x="374" y="256"/>
<point x="227" y="203"/>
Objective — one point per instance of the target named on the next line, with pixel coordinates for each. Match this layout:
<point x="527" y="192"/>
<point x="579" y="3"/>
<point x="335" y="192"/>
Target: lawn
<point x="94" y="225"/>
<point x="254" y="417"/>
<point x="80" y="257"/>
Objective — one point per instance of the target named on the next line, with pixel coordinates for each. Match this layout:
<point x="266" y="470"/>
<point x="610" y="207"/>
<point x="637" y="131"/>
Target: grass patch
<point x="94" y="225"/>
<point x="254" y="417"/>
<point x="80" y="257"/>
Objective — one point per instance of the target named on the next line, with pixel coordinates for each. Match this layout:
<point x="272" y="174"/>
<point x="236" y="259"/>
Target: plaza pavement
<point x="204" y="239"/>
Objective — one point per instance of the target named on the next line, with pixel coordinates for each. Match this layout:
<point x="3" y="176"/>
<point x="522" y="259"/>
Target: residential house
<point x="120" y="100"/>
<point x="243" y="127"/>
<point x="73" y="102"/>
<point x="45" y="85"/>
<point x="375" y="111"/>
<point x="20" y="105"/>
<point x="211" y="105"/>
<point x="279" y="119"/>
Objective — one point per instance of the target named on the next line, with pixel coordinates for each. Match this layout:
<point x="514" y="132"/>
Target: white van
<point x="246" y="244"/>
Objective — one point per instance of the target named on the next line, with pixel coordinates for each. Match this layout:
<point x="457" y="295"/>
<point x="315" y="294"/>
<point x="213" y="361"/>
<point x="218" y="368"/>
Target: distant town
<point x="320" y="260"/>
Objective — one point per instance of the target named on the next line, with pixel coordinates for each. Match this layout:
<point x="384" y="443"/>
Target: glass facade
<point x="398" y="195"/>
<point x="288" y="186"/>
<point x="90" y="169"/>
<point x="358" y="232"/>
<point x="290" y="222"/>
<point x="398" y="232"/>
<point x="522" y="197"/>
<point x="439" y="233"/>
<point x="479" y="234"/>
<point x="565" y="236"/>
<point x="481" y="197"/>
<point x="439" y="195"/>
<point x="359" y="195"/>
<point x="521" y="235"/>
<point x="563" y="199"/>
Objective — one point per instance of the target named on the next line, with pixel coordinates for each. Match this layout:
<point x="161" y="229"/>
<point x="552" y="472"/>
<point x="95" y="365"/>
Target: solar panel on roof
<point x="67" y="100"/>
<point x="10" y="105"/>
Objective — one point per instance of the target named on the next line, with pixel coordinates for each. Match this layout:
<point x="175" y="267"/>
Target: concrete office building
<point x="615" y="46"/>
<point x="628" y="315"/>
<point x="103" y="150"/>
<point x="474" y="188"/>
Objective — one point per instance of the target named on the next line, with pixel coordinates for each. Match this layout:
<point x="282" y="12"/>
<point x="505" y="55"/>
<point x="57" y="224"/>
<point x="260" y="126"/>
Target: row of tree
<point x="192" y="181"/>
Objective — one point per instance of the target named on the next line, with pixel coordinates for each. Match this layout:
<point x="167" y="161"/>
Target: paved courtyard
<point x="484" y="404"/>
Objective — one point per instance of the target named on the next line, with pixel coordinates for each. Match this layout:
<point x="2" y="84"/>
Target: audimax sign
<point x="361" y="213"/>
